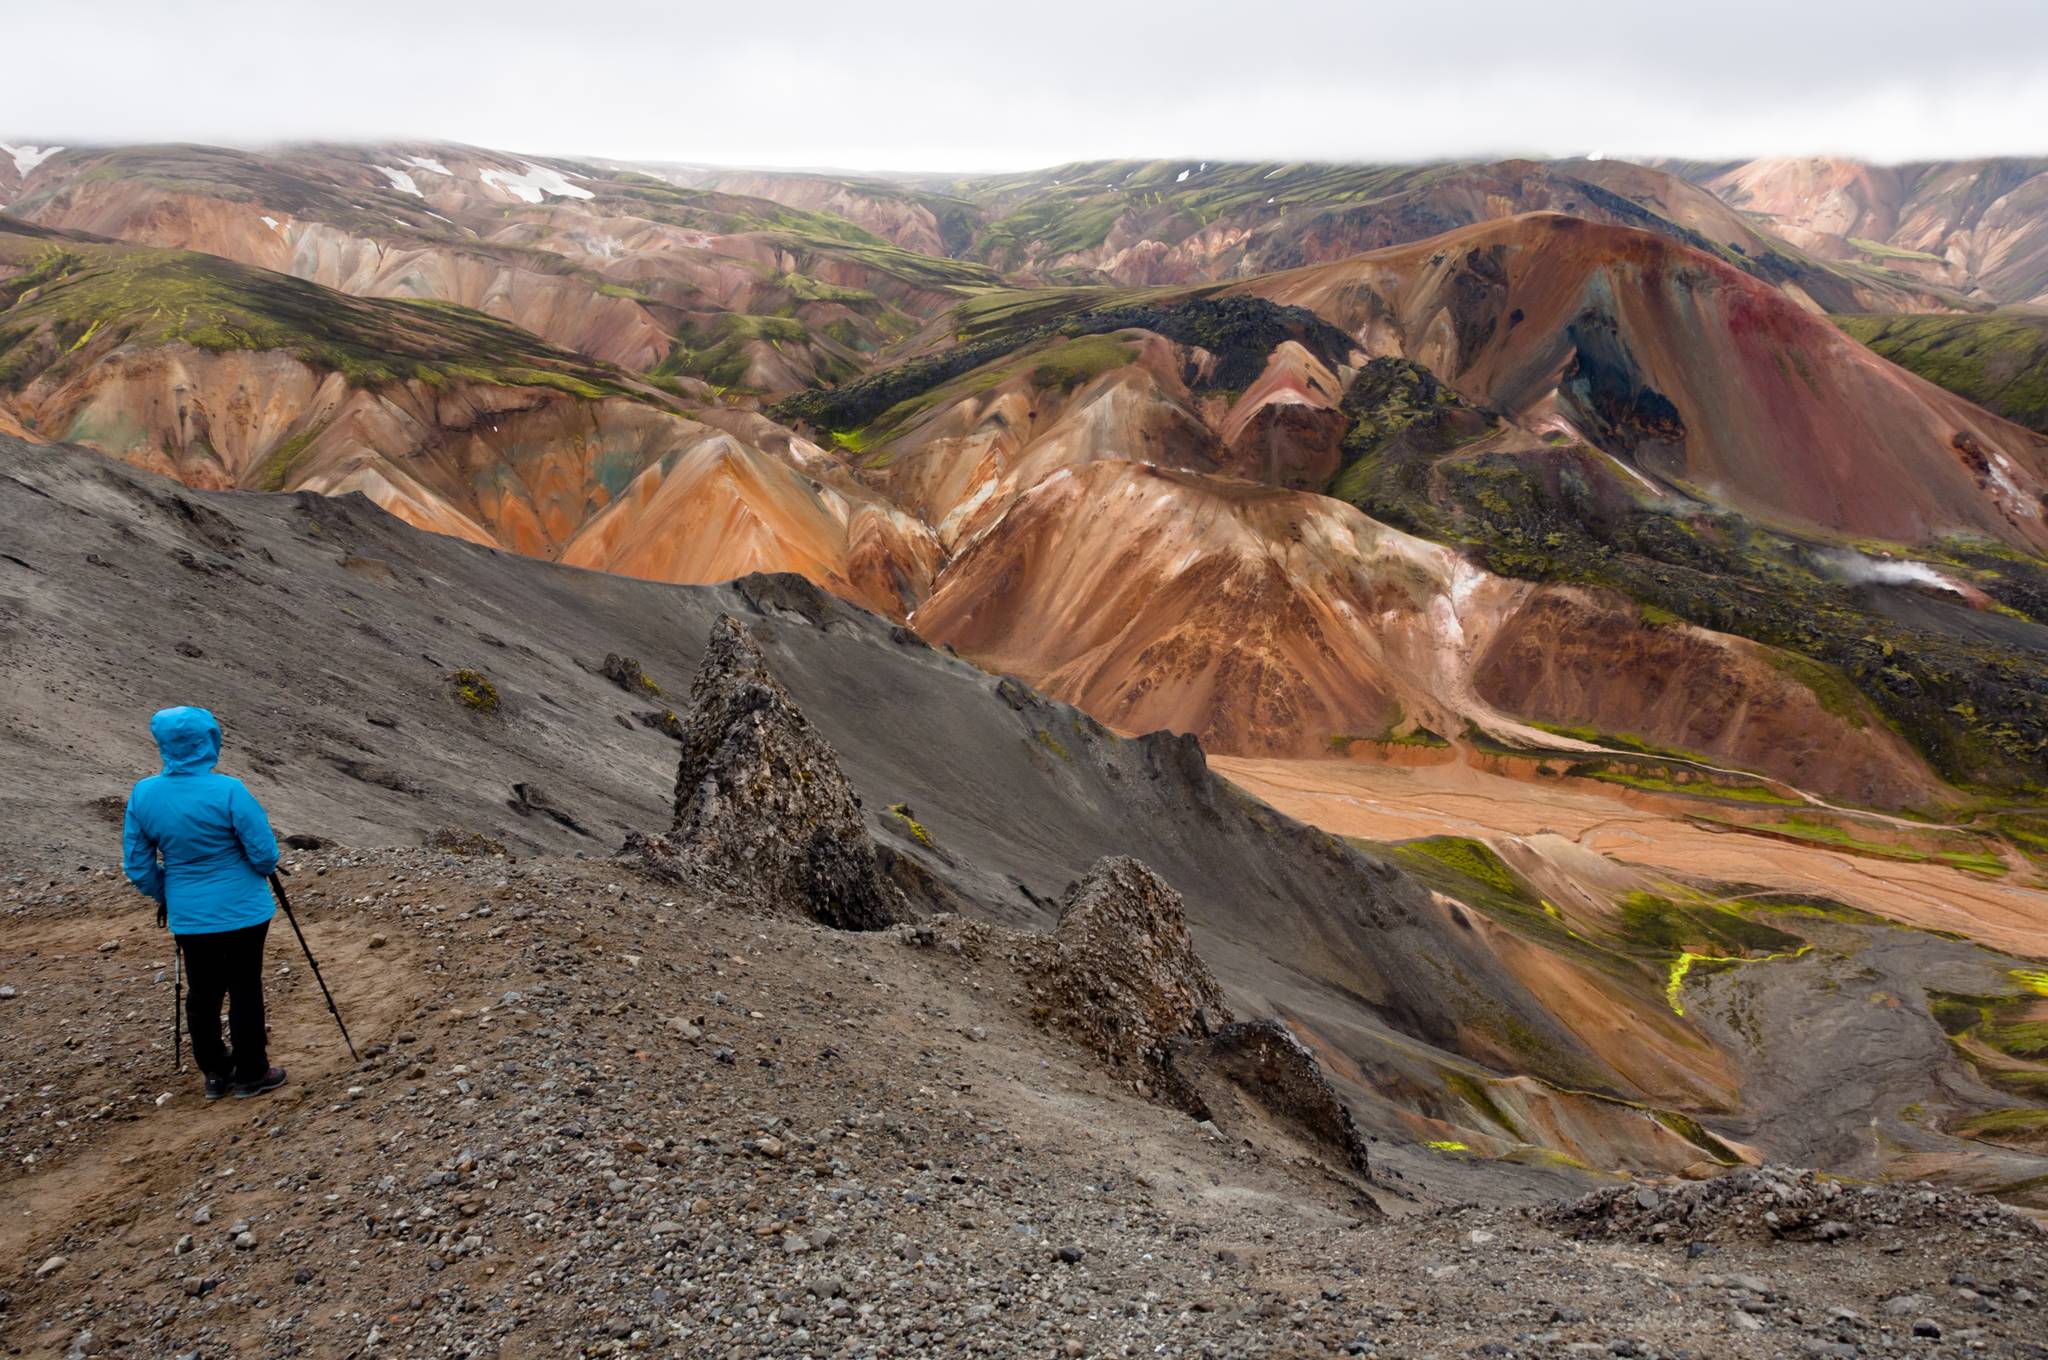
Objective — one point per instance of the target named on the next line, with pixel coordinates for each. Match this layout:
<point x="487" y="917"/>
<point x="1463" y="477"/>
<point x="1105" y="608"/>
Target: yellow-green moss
<point x="901" y="812"/>
<point x="475" y="690"/>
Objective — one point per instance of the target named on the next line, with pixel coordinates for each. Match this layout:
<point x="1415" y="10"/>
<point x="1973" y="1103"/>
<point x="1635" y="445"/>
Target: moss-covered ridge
<point x="1999" y="360"/>
<point x="1240" y="331"/>
<point x="1051" y="220"/>
<point x="1968" y="689"/>
<point x="64" y="305"/>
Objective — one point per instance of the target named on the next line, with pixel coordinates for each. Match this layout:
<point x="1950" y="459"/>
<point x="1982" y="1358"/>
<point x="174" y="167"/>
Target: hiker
<point x="216" y="851"/>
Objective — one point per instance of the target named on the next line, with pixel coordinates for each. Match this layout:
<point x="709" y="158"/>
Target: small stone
<point x="7" y="994"/>
<point x="1927" y="1327"/>
<point x="245" y="1240"/>
<point x="203" y="1214"/>
<point x="110" y="946"/>
<point x="184" y="1244"/>
<point x="1070" y="1255"/>
<point x="51" y="1267"/>
<point x="379" y="940"/>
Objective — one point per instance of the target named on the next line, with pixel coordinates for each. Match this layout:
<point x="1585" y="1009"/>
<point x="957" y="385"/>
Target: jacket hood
<point x="189" y="739"/>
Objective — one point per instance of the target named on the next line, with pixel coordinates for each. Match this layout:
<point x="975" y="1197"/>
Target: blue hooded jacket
<point x="216" y="845"/>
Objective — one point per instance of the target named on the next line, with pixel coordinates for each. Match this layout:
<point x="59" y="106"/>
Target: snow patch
<point x="2001" y="470"/>
<point x="962" y="512"/>
<point x="1181" y="177"/>
<point x="400" y="181"/>
<point x="537" y="183"/>
<point x="428" y="163"/>
<point x="27" y="158"/>
<point x="1277" y="173"/>
<point x="270" y="222"/>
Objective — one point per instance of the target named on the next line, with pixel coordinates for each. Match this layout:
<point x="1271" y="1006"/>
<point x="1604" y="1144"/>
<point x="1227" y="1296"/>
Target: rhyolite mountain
<point x="1286" y="456"/>
<point x="1540" y="485"/>
<point x="1973" y="227"/>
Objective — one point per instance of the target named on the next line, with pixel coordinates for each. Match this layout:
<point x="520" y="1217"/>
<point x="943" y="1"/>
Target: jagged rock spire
<point x="761" y="803"/>
<point x="1126" y="970"/>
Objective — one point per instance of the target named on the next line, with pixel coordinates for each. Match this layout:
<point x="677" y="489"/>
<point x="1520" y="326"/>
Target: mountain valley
<point x="1561" y="647"/>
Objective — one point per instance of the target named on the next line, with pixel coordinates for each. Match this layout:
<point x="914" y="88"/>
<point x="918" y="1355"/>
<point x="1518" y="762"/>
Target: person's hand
<point x="163" y="916"/>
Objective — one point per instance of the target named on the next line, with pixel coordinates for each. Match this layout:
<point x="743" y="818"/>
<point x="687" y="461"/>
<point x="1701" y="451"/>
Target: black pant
<point x="227" y="963"/>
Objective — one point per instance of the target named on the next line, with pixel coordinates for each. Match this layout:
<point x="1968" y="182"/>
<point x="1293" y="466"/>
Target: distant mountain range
<point x="1287" y="455"/>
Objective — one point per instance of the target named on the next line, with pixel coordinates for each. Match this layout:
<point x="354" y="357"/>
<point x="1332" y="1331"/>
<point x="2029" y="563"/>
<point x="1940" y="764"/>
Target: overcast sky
<point x="971" y="85"/>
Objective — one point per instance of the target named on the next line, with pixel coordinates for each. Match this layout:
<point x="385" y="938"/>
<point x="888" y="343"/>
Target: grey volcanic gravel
<point x="596" y="1117"/>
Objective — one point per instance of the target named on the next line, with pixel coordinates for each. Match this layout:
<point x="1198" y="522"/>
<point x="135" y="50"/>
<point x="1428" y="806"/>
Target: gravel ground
<point x="595" y="1115"/>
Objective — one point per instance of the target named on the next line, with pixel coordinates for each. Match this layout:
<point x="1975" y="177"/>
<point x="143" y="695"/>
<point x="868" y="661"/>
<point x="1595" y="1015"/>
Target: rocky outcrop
<point x="627" y="673"/>
<point x="1120" y="974"/>
<point x="1779" y="1203"/>
<point x="761" y="805"/>
<point x="1124" y="977"/>
<point x="1272" y="1069"/>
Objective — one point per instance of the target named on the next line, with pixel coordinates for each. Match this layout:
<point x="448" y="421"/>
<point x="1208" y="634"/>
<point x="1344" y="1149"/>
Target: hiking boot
<point x="217" y="1086"/>
<point x="269" y="1081"/>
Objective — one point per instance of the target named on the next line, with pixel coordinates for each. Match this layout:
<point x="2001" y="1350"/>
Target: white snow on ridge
<point x="270" y="222"/>
<point x="400" y="181"/>
<point x="428" y="163"/>
<point x="1182" y="176"/>
<point x="535" y="184"/>
<point x="27" y="158"/>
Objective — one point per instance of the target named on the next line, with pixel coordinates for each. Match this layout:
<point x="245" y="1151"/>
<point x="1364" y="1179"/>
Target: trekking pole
<point x="286" y="903"/>
<point x="177" y="1003"/>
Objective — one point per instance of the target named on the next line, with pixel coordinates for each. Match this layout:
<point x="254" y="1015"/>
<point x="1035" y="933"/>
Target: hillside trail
<point x="154" y="1120"/>
<point x="598" y="1115"/>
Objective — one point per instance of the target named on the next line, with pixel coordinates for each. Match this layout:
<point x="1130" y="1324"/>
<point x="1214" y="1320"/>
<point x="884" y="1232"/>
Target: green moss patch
<point x="1467" y="858"/>
<point x="474" y="690"/>
<point x="902" y="813"/>
<point x="1997" y="360"/>
<point x="2028" y="1125"/>
<point x="1075" y="363"/>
